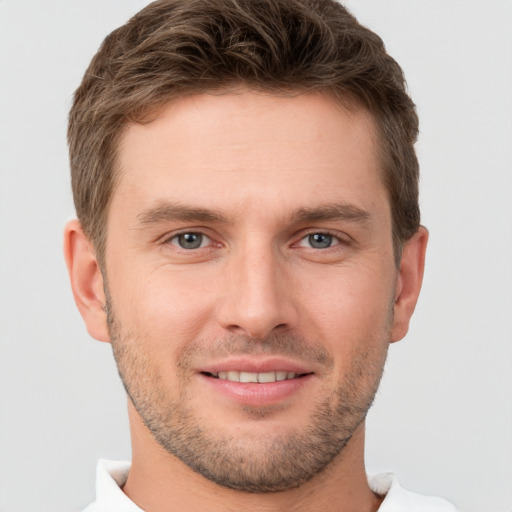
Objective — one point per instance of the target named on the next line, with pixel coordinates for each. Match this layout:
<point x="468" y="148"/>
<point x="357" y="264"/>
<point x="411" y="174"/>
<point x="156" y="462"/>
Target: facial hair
<point x="259" y="465"/>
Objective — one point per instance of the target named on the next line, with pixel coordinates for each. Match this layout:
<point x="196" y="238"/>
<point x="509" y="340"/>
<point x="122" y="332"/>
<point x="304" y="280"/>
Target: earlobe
<point x="86" y="280"/>
<point x="409" y="281"/>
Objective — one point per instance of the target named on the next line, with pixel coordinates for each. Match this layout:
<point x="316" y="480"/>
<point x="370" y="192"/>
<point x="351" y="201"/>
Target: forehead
<point x="235" y="148"/>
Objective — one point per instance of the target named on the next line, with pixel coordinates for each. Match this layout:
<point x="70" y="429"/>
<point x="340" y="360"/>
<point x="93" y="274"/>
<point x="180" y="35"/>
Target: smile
<point x="253" y="377"/>
<point x="256" y="384"/>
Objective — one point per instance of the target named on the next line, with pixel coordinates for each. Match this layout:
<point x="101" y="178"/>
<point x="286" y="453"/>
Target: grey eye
<point x="189" y="240"/>
<point x="320" y="240"/>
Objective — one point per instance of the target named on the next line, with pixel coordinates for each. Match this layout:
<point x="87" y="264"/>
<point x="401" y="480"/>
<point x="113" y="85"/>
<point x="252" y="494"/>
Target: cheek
<point x="166" y="307"/>
<point x="355" y="308"/>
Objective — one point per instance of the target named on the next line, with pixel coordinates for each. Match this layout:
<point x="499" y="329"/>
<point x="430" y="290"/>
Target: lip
<point x="253" y="394"/>
<point x="257" y="366"/>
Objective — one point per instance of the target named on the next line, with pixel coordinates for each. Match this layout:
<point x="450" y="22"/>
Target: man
<point x="248" y="241"/>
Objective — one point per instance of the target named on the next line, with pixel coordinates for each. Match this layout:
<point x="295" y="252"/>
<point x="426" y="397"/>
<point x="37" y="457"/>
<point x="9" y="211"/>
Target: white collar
<point x="111" y="476"/>
<point x="400" y="500"/>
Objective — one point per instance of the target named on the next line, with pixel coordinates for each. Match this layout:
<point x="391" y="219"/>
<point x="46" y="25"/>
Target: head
<point x="173" y="49"/>
<point x="246" y="188"/>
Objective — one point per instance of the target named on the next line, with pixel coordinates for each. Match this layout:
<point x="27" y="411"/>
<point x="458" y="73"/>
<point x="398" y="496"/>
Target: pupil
<point x="320" y="241"/>
<point x="190" y="240"/>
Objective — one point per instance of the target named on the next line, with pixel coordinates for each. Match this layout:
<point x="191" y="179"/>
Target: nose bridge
<point x="258" y="299"/>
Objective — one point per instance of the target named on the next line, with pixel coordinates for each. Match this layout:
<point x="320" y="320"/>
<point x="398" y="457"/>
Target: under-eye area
<point x="253" y="377"/>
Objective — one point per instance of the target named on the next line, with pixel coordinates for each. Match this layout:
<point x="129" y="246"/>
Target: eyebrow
<point x="168" y="212"/>
<point x="332" y="212"/>
<point x="172" y="212"/>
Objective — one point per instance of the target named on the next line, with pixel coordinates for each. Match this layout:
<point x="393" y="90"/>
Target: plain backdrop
<point x="443" y="416"/>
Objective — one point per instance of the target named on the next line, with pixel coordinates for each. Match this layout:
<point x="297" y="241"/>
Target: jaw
<point x="158" y="478"/>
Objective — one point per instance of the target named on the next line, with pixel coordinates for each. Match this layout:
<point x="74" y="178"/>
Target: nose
<point x="258" y="297"/>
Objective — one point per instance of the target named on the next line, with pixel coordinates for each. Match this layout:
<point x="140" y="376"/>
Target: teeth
<point x="264" y="377"/>
<point x="267" y="377"/>
<point x="248" y="377"/>
<point x="233" y="376"/>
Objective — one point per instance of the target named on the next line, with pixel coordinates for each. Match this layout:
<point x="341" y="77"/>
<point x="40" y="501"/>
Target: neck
<point x="160" y="482"/>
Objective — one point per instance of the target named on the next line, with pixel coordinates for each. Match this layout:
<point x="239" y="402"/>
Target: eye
<point x="190" y="240"/>
<point x="319" y="241"/>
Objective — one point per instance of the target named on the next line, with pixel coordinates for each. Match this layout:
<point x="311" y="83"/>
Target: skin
<point x="265" y="172"/>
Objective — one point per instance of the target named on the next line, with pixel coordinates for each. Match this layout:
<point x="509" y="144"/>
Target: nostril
<point x="256" y="315"/>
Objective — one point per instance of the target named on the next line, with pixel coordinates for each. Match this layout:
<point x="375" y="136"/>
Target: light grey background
<point x="443" y="417"/>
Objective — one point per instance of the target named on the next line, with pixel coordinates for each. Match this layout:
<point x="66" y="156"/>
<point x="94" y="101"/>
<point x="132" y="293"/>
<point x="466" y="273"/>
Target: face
<point x="251" y="282"/>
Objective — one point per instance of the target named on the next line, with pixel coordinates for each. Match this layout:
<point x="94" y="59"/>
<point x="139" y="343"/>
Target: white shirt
<point x="111" y="476"/>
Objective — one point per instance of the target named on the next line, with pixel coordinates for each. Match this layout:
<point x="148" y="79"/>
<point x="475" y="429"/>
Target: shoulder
<point x="400" y="500"/>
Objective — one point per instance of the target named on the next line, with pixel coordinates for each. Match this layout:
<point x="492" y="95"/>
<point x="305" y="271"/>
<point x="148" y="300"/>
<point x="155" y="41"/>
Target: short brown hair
<point x="174" y="48"/>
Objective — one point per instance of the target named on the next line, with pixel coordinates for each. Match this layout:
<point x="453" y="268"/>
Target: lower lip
<point x="253" y="394"/>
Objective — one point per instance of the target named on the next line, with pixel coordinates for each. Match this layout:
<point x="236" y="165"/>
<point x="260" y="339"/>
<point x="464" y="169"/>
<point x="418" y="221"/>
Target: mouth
<point x="254" y="377"/>
<point x="259" y="382"/>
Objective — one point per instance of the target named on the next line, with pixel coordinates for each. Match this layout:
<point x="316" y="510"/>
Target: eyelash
<point x="334" y="237"/>
<point x="184" y="233"/>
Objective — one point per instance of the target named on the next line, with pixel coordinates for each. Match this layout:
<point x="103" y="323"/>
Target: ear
<point x="408" y="285"/>
<point x="86" y="280"/>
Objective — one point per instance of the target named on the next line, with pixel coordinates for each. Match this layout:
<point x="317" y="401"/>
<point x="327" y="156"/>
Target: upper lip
<point x="254" y="365"/>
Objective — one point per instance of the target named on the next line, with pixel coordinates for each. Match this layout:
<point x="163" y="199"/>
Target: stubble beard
<point x="257" y="465"/>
